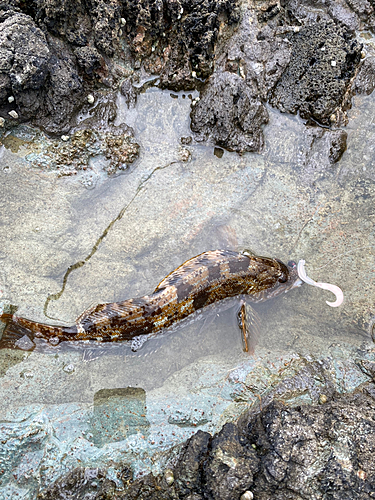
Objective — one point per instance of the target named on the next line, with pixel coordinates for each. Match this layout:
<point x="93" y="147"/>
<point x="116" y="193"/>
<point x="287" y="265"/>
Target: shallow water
<point x="64" y="247"/>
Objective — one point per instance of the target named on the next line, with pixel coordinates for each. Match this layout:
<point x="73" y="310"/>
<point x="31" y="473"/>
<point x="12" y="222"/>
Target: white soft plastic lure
<point x="326" y="286"/>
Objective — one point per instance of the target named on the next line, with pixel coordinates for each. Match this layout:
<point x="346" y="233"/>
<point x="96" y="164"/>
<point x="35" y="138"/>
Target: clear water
<point x="65" y="406"/>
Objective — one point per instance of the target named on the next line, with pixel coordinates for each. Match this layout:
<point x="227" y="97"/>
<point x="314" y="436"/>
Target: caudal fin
<point x="14" y="336"/>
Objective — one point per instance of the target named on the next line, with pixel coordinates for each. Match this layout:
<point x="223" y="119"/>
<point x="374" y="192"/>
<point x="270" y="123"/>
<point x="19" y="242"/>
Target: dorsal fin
<point x="104" y="313"/>
<point x="207" y="259"/>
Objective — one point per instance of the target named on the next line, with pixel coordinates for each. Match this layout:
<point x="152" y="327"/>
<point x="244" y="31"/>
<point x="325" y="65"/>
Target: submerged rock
<point x="323" y="452"/>
<point x="71" y="155"/>
<point x="96" y="139"/>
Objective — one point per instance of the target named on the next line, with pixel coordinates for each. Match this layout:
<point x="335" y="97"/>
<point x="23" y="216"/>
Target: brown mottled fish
<point x="203" y="280"/>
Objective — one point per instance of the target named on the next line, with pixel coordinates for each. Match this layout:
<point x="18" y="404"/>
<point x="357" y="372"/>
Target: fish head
<point x="278" y="278"/>
<point x="288" y="278"/>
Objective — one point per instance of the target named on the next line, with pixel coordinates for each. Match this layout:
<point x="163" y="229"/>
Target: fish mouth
<point x="296" y="284"/>
<point x="293" y="276"/>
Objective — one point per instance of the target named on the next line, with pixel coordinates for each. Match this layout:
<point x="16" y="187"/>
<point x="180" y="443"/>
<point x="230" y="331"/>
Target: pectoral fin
<point x="249" y="323"/>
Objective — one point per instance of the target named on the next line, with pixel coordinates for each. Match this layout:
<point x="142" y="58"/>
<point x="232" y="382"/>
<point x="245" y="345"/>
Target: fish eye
<point x="292" y="264"/>
<point x="283" y="278"/>
<point x="284" y="272"/>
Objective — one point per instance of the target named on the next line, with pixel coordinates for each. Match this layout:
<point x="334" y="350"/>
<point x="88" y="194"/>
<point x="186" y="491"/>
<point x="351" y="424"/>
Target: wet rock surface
<point x="229" y="115"/>
<point x="311" y="208"/>
<point x="284" y="452"/>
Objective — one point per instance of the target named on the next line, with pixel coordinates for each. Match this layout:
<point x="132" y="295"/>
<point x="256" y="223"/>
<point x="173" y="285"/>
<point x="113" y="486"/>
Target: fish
<point x="210" y="277"/>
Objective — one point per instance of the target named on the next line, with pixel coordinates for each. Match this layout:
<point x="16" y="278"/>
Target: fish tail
<point x="19" y="333"/>
<point x="14" y="336"/>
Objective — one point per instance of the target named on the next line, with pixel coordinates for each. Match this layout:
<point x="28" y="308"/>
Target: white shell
<point x="247" y="496"/>
<point x="169" y="477"/>
<point x="90" y="99"/>
<point x="13" y="114"/>
<point x="69" y="368"/>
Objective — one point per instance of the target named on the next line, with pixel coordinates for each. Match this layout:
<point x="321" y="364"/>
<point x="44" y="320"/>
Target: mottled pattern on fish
<point x="210" y="277"/>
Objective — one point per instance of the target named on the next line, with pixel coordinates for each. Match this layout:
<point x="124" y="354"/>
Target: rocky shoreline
<point x="64" y="62"/>
<point x="60" y="59"/>
<point x="324" y="451"/>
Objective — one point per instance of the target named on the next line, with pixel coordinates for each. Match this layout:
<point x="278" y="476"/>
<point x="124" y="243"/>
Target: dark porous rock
<point x="88" y="58"/>
<point x="230" y="467"/>
<point x="188" y="472"/>
<point x="106" y="15"/>
<point x="323" y="61"/>
<point x="322" y="452"/>
<point x="24" y="62"/>
<point x="79" y="22"/>
<point x="39" y="72"/>
<point x="178" y="38"/>
<point x="364" y="82"/>
<point x="64" y="92"/>
<point x="78" y="484"/>
<point x="129" y="92"/>
<point x="229" y="114"/>
<point x="67" y="19"/>
<point x="300" y="56"/>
